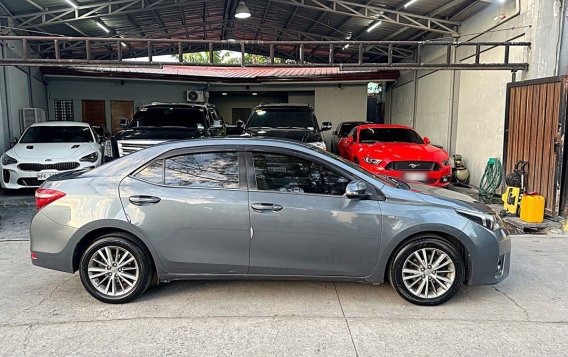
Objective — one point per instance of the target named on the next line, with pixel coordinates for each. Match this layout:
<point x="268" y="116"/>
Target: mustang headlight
<point x="372" y="161"/>
<point x="8" y="160"/>
<point x="93" y="157"/>
<point x="319" y="144"/>
<point x="487" y="220"/>
<point x="446" y="162"/>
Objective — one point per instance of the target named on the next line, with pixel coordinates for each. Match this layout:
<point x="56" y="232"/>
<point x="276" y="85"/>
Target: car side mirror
<point x="123" y="123"/>
<point x="240" y="124"/>
<point x="13" y="141"/>
<point x="356" y="190"/>
<point x="326" y="125"/>
<point x="426" y="140"/>
<point x="217" y="124"/>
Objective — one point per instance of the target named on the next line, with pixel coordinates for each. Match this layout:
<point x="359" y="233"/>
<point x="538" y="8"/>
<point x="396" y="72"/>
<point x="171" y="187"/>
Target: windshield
<point x="389" y="181"/>
<point x="57" y="134"/>
<point x="371" y="135"/>
<point x="346" y="128"/>
<point x="282" y="118"/>
<point x="169" y="117"/>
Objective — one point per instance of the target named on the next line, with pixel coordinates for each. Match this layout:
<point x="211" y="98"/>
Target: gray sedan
<point x="260" y="209"/>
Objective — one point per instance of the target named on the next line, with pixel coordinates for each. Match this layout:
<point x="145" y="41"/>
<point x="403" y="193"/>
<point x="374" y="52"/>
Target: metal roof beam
<point x="68" y="14"/>
<point x="371" y="12"/>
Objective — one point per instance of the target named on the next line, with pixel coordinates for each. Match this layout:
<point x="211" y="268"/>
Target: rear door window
<point x="209" y="170"/>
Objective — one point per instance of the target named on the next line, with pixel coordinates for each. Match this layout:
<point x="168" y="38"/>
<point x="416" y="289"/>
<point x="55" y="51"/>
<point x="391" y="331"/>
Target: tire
<point x="424" y="285"/>
<point x="127" y="281"/>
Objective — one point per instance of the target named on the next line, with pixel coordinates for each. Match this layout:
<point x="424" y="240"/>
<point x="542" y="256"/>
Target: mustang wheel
<point x="115" y="270"/>
<point x="427" y="271"/>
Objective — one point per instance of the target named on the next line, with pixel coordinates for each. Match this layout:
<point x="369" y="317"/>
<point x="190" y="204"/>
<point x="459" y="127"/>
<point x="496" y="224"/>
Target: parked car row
<point x="391" y="150"/>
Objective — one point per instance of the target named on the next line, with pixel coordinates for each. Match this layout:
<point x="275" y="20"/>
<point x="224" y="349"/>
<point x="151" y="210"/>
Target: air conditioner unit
<point x="195" y="96"/>
<point x="30" y="116"/>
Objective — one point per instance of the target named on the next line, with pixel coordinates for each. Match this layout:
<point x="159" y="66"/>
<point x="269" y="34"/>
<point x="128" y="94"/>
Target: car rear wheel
<point x="427" y="271"/>
<point x="115" y="270"/>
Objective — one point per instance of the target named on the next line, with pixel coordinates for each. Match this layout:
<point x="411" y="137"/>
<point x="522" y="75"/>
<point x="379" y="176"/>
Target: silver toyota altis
<point x="260" y="209"/>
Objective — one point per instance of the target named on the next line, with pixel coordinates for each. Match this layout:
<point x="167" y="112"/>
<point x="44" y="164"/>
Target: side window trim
<point x="239" y="149"/>
<point x="251" y="175"/>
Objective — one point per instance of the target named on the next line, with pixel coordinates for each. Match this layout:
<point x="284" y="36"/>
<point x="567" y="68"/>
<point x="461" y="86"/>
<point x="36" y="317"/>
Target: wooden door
<point x="534" y="128"/>
<point x="120" y="110"/>
<point x="94" y="112"/>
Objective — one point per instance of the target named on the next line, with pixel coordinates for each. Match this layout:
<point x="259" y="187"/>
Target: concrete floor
<point x="45" y="312"/>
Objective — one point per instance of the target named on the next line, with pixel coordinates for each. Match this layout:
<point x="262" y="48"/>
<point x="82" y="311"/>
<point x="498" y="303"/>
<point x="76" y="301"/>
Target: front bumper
<point x="13" y="178"/>
<point x="491" y="261"/>
<point x="440" y="178"/>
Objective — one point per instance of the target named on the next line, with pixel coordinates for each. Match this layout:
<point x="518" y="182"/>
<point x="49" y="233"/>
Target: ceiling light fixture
<point x="254" y="93"/>
<point x="72" y="3"/>
<point x="346" y="46"/>
<point x="409" y="3"/>
<point x="242" y="11"/>
<point x="224" y="93"/>
<point x="102" y="26"/>
<point x="374" y="26"/>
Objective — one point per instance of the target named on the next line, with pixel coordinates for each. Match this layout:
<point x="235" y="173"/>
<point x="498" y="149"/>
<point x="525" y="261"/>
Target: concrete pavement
<point x="48" y="313"/>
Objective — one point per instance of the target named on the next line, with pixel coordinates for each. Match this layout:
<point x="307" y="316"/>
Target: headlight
<point x="372" y="161"/>
<point x="8" y="160"/>
<point x="487" y="220"/>
<point x="91" y="157"/>
<point x="319" y="144"/>
<point x="446" y="162"/>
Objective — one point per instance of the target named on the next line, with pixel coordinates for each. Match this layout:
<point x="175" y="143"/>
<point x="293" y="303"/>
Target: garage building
<point x="452" y="92"/>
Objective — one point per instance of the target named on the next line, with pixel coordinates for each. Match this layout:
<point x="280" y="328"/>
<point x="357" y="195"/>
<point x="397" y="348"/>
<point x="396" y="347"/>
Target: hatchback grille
<point x="413" y="166"/>
<point x="60" y="166"/>
<point x="129" y="148"/>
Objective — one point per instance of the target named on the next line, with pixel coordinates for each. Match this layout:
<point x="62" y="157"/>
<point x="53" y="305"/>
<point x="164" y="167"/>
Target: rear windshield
<point x="284" y="118"/>
<point x="57" y="134"/>
<point x="371" y="135"/>
<point x="169" y="117"/>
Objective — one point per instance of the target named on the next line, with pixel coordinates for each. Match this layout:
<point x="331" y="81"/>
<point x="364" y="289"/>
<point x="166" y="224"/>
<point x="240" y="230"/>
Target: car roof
<point x="384" y="126"/>
<point x="353" y="122"/>
<point x="61" y="123"/>
<point x="165" y="104"/>
<point x="285" y="105"/>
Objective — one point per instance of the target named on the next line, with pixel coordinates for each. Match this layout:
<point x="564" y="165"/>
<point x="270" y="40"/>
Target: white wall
<point x="472" y="103"/>
<point x="140" y="92"/>
<point x="20" y="87"/>
<point x="340" y="104"/>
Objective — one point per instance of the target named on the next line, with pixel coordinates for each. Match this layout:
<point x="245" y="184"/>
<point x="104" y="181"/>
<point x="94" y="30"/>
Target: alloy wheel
<point x="428" y="273"/>
<point x="113" y="271"/>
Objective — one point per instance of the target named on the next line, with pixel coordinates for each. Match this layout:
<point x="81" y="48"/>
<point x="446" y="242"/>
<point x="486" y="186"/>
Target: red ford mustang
<point x="397" y="151"/>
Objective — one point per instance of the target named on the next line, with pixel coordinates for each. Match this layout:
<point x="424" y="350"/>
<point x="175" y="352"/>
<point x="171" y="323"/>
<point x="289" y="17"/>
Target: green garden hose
<point x="491" y="180"/>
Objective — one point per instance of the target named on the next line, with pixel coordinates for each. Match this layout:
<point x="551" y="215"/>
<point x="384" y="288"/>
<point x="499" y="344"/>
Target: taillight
<point x="43" y="197"/>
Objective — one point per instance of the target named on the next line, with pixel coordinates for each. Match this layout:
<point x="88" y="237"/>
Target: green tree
<point x="203" y="57"/>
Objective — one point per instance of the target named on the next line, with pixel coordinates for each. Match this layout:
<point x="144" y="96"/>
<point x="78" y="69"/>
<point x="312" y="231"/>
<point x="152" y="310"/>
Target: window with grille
<point x="64" y="110"/>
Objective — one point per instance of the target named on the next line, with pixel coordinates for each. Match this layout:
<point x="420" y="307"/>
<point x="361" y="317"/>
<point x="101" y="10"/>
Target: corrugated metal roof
<point x="229" y="74"/>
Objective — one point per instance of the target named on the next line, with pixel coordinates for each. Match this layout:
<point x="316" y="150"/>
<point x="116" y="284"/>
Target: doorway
<point x="94" y="112"/>
<point x="120" y="110"/>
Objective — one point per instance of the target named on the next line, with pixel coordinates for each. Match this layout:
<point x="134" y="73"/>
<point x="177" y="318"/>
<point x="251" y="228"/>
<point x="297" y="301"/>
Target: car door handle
<point x="144" y="200"/>
<point x="263" y="207"/>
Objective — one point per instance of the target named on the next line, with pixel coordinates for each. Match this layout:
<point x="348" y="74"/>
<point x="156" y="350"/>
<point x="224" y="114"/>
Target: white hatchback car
<point x="46" y="149"/>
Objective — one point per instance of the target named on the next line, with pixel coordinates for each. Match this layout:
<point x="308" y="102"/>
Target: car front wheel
<point x="115" y="270"/>
<point x="427" y="271"/>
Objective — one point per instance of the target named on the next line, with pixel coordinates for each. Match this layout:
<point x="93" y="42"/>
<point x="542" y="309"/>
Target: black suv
<point x="158" y="122"/>
<point x="289" y="121"/>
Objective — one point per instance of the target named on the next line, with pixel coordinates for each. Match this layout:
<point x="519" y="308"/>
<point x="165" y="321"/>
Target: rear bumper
<point x="50" y="243"/>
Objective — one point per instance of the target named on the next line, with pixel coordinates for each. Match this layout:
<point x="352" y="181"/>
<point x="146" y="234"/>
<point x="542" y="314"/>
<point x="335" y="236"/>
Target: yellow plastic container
<point x="532" y="208"/>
